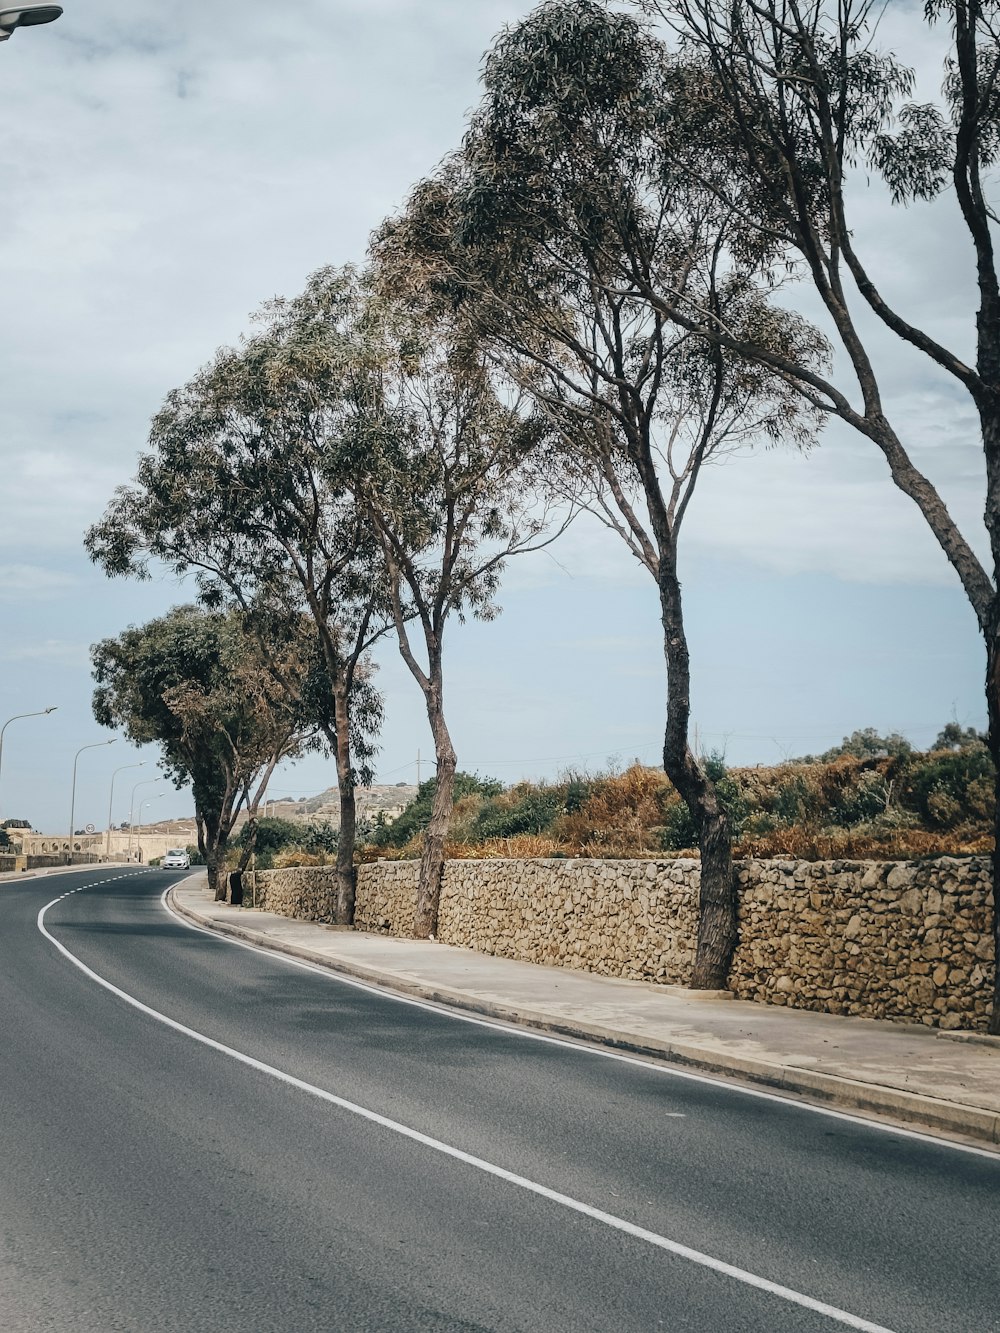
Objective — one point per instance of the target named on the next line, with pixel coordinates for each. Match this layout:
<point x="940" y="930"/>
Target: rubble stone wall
<point x="903" y="940"/>
<point x="306" y="892"/>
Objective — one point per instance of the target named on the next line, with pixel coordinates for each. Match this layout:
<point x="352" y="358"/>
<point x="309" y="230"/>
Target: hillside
<point x="388" y="798"/>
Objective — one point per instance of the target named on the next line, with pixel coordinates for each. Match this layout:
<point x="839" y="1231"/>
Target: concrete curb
<point x="919" y="1109"/>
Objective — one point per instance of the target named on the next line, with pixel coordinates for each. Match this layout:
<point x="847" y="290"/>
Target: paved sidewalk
<point x="904" y="1072"/>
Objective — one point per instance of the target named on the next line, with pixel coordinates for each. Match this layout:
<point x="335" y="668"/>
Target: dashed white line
<point x="832" y="1312"/>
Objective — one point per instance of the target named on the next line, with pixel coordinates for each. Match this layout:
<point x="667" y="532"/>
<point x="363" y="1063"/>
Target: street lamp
<point x="44" y="713"/>
<point x="26" y="16"/>
<point x="143" y="782"/>
<point x="72" y="801"/>
<point x="111" y="798"/>
<point x="138" y="832"/>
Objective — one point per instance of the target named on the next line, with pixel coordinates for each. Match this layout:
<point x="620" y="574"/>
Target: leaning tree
<point x="561" y="188"/>
<point x="241" y="487"/>
<point x="780" y="106"/>
<point x="442" y="462"/>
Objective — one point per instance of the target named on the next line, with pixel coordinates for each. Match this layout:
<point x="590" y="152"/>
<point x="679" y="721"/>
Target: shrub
<point x="622" y="816"/>
<point x="524" y="809"/>
<point x="679" y="832"/>
<point x="417" y="815"/>
<point x="952" y="787"/>
<point x="272" y="835"/>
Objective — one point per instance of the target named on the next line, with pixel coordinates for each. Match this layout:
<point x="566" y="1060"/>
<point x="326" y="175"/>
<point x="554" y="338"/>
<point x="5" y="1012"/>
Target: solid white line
<point x="580" y="1046"/>
<point x="480" y="1164"/>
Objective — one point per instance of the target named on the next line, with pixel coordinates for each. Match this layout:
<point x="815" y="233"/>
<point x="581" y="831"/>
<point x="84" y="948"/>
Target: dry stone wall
<point x="892" y="939"/>
<point x="306" y="892"/>
<point x="903" y="940"/>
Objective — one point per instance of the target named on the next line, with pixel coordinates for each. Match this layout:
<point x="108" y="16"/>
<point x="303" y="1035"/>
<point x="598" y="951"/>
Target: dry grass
<point x="621" y="817"/>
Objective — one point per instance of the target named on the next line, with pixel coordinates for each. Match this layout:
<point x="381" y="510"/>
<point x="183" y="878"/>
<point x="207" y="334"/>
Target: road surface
<point x="196" y="1135"/>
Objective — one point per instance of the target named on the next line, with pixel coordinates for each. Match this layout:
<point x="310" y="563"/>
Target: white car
<point x="176" y="859"/>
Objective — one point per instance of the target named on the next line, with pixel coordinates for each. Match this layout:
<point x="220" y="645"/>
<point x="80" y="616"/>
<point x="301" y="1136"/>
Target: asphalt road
<point x="299" y="1153"/>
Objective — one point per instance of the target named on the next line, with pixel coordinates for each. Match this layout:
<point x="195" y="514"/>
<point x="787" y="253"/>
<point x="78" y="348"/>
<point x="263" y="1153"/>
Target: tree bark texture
<point x="717" y="899"/>
<point x="215" y="855"/>
<point x="993" y="738"/>
<point x="346" y="873"/>
<point x="425" y="918"/>
<point x="989" y="415"/>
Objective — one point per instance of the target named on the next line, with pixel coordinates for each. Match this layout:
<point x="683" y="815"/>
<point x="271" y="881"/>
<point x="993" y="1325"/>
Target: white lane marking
<point x="581" y="1047"/>
<point x="489" y="1168"/>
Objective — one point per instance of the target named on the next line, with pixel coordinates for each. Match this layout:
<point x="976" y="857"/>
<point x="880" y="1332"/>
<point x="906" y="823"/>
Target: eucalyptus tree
<point x="785" y="103"/>
<point x="241" y="487"/>
<point x="444" y="460"/>
<point x="561" y="189"/>
<point x="196" y="684"/>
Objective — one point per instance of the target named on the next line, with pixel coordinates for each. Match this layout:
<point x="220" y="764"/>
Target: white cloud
<point x="26" y="583"/>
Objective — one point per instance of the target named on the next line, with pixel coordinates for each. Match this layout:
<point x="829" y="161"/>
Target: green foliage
<point x="272" y="834"/>
<point x="194" y="855"/>
<point x="714" y="765"/>
<point x="5" y="841"/>
<point x="196" y="683"/>
<point x="578" y="791"/>
<point x="867" y="800"/>
<point x="527" y="809"/>
<point x="950" y="788"/>
<point x="276" y="835"/>
<point x="325" y="837"/>
<point x="417" y="815"/>
<point x="865" y="743"/>
<point x="680" y="833"/>
<point x="952" y="736"/>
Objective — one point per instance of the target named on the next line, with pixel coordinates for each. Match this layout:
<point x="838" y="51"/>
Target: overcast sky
<point x="163" y="177"/>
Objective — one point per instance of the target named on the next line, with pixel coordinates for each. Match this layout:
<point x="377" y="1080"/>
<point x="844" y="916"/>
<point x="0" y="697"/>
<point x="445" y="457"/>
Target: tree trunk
<point x="346" y="874"/>
<point x="993" y="740"/>
<point x="988" y="361"/>
<point x="249" y="841"/>
<point x="214" y="863"/>
<point x="717" y="899"/>
<point x="425" y="920"/>
<point x="216" y="841"/>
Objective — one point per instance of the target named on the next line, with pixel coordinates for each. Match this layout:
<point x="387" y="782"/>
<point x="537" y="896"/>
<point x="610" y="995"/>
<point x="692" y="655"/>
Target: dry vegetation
<point x="906" y="805"/>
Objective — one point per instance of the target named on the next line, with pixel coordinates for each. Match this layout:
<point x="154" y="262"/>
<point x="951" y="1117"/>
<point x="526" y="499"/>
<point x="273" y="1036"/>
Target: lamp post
<point x="143" y="782"/>
<point x="138" y="832"/>
<point x="96" y="745"/>
<point x="43" y="713"/>
<point x="111" y="798"/>
<point x="26" y="16"/>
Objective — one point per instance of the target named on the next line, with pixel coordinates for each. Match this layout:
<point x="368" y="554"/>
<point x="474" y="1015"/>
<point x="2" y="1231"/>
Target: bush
<point x="952" y="787"/>
<point x="417" y="815"/>
<point x="525" y="809"/>
<point x="679" y="831"/>
<point x="622" y="816"/>
<point x="272" y="834"/>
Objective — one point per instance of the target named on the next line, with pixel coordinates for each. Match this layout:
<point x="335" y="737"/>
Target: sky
<point x="162" y="178"/>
